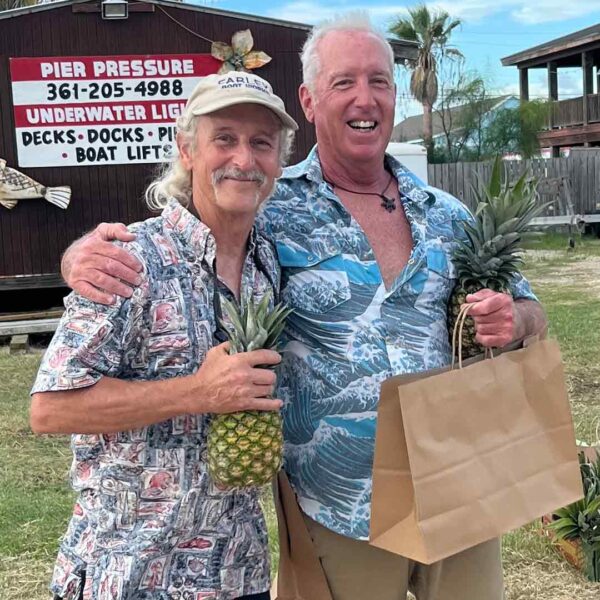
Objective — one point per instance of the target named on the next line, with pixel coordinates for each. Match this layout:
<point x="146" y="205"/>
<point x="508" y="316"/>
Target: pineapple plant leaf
<point x="245" y="448"/>
<point x="581" y="520"/>
<point x="491" y="254"/>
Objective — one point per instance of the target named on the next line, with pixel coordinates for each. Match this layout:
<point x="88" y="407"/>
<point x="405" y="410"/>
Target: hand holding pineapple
<point x="245" y="448"/>
<point x="497" y="318"/>
<point x="233" y="382"/>
<point x="488" y="259"/>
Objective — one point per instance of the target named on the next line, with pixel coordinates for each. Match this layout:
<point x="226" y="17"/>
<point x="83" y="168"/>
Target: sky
<point x="490" y="30"/>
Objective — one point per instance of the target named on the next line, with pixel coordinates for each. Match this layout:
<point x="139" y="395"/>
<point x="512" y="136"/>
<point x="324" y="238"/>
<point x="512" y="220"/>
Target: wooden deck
<point x="12" y="324"/>
<point x="25" y="282"/>
<point x="11" y="328"/>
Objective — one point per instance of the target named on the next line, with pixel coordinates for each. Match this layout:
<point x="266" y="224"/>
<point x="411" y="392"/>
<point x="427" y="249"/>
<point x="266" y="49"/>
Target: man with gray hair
<point x="137" y="381"/>
<point x="365" y="250"/>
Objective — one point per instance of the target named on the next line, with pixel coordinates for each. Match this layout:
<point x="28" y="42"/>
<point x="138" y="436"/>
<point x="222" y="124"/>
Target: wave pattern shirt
<point x="348" y="332"/>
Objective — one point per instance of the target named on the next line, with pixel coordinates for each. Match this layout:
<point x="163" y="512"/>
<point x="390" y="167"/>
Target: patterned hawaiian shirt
<point x="148" y="522"/>
<point x="348" y="332"/>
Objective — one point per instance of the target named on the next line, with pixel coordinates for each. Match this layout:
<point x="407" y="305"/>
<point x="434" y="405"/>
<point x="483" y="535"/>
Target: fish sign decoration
<point x="15" y="186"/>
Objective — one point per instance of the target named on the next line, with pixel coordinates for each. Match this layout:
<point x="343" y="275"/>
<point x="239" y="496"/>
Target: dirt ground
<point x="583" y="272"/>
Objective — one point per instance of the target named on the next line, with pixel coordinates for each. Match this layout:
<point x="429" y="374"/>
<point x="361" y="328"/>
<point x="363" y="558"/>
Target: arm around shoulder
<point x="98" y="269"/>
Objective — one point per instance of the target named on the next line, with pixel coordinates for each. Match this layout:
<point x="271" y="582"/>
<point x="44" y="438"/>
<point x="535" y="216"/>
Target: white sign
<point x="99" y="110"/>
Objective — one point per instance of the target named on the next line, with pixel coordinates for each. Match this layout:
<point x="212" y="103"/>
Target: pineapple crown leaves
<point x="491" y="271"/>
<point x="507" y="207"/>
<point x="254" y="327"/>
<point x="501" y="222"/>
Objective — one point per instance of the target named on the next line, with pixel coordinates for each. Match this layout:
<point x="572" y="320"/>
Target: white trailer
<point x="412" y="156"/>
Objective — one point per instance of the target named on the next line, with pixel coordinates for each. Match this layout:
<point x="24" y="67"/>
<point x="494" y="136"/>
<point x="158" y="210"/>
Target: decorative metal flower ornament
<point x="239" y="56"/>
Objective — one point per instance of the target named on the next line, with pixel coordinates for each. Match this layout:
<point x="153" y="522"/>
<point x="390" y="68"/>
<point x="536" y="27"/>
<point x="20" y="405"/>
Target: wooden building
<point x="34" y="233"/>
<point x="572" y="121"/>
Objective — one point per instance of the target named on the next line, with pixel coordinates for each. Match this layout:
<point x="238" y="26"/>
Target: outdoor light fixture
<point x="115" y="9"/>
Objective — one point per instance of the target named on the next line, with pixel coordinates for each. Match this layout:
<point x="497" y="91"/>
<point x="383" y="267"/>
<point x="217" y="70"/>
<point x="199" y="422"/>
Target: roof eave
<point x="404" y="49"/>
<point x="18" y="12"/>
<point x="25" y="10"/>
<point x="229" y="13"/>
<point x="541" y="51"/>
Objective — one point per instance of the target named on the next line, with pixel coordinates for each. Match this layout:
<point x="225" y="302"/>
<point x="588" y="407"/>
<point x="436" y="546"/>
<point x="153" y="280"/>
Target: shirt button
<point x="411" y="261"/>
<point x="311" y="257"/>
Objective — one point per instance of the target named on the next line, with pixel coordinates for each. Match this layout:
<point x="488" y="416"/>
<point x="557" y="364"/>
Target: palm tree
<point x="431" y="30"/>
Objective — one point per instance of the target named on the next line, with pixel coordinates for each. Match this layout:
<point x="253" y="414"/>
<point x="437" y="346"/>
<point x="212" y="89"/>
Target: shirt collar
<point x="408" y="183"/>
<point x="310" y="168"/>
<point x="196" y="237"/>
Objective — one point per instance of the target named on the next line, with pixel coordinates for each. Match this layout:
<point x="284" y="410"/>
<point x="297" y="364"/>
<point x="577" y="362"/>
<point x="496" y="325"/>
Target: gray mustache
<point x="239" y="174"/>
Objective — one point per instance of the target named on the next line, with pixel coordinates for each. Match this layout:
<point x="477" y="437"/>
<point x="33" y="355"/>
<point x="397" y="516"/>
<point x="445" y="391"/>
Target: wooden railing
<point x="594" y="108"/>
<point x="567" y="113"/>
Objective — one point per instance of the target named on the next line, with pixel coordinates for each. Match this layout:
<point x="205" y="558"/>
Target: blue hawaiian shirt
<point x="348" y="332"/>
<point x="149" y="523"/>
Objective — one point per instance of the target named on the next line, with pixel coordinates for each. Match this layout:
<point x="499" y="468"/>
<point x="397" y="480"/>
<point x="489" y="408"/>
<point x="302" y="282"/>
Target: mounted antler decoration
<point x="15" y="186"/>
<point x="239" y="56"/>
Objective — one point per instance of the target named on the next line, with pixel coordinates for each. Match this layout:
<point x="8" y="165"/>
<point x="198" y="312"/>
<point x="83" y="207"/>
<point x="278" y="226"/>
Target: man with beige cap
<point x="148" y="522"/>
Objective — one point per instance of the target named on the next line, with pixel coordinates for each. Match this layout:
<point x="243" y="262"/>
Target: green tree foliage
<point x="461" y="110"/>
<point x="515" y="130"/>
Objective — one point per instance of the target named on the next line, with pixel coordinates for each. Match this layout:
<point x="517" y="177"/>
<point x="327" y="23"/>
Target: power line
<point x="406" y="96"/>
<point x="505" y="33"/>
<point x="469" y="43"/>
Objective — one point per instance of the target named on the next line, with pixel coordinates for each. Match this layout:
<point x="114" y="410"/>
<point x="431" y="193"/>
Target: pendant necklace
<point x="388" y="203"/>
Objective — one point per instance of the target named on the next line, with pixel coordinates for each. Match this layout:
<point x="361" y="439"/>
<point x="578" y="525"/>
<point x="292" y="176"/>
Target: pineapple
<point x="246" y="448"/>
<point x="493" y="255"/>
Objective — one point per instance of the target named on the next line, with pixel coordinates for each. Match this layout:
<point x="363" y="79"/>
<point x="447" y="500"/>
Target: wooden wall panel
<point x="35" y="233"/>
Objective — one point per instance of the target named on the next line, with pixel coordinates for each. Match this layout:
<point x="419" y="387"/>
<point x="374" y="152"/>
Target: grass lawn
<point x="35" y="500"/>
<point x="568" y="285"/>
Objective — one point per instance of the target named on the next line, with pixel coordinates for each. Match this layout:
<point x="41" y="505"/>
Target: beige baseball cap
<point x="214" y="92"/>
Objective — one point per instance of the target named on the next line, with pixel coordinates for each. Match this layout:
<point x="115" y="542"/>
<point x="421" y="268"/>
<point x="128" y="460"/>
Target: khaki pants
<point x="357" y="571"/>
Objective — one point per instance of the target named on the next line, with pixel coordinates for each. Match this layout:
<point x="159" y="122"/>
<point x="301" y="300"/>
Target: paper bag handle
<point x="458" y="329"/>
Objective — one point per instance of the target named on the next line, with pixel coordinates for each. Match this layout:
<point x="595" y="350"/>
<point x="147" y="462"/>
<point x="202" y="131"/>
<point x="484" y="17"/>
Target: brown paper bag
<point x="300" y="575"/>
<point x="465" y="455"/>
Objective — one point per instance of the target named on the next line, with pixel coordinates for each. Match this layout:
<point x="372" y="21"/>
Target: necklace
<point x="386" y="202"/>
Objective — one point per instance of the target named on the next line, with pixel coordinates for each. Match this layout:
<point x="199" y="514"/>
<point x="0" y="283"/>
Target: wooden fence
<point x="576" y="178"/>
